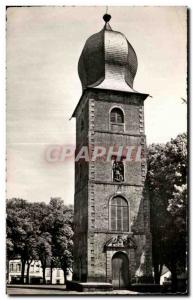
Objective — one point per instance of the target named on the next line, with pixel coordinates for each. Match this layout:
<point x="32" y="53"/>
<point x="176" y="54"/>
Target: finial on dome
<point x="106" y="18"/>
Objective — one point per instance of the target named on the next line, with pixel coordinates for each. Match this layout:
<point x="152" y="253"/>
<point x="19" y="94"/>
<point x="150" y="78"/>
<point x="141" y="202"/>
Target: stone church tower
<point x="112" y="241"/>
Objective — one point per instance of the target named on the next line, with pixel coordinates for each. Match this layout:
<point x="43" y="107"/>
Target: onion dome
<point x="108" y="61"/>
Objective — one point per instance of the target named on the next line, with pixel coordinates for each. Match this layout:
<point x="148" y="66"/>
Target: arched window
<point x="119" y="214"/>
<point x="117" y="116"/>
<point x="117" y="119"/>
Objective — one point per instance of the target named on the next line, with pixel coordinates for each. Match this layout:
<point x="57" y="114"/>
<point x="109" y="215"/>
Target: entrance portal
<point x="120" y="271"/>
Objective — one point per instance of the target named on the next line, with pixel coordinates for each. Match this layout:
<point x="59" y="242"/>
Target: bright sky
<point x="43" y="88"/>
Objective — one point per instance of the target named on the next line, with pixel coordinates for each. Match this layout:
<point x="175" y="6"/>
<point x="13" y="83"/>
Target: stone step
<point x="88" y="286"/>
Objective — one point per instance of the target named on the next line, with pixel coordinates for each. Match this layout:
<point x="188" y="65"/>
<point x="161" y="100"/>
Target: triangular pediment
<point x="121" y="242"/>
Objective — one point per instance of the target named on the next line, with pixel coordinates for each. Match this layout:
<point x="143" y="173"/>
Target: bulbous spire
<point x="108" y="61"/>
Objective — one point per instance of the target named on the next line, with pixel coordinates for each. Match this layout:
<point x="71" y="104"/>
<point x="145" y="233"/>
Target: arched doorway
<point x="120" y="271"/>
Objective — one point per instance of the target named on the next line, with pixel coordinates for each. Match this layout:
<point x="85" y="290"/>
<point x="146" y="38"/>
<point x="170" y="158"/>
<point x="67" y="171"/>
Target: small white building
<point x="35" y="273"/>
<point x="165" y="276"/>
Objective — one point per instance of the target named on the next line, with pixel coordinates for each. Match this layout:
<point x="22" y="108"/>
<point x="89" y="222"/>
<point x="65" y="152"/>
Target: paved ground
<point x="57" y="290"/>
<point x="29" y="291"/>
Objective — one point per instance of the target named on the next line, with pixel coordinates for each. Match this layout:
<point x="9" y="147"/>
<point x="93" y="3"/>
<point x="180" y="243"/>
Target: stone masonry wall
<point x="81" y="197"/>
<point x="95" y="187"/>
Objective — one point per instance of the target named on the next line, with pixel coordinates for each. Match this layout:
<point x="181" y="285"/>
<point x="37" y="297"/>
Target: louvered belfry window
<point x="117" y="116"/>
<point x="119" y="214"/>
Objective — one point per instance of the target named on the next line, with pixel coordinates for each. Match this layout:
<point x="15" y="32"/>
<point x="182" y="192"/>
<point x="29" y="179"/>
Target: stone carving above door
<point x="121" y="242"/>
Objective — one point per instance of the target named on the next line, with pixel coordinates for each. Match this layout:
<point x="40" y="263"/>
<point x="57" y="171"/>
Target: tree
<point x="40" y="231"/>
<point x="10" y="254"/>
<point x="31" y="254"/>
<point x="59" y="223"/>
<point x="63" y="249"/>
<point x="44" y="251"/>
<point x="20" y="230"/>
<point x="23" y="223"/>
<point x="167" y="172"/>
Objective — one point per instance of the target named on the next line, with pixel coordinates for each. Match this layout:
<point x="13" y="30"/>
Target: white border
<point x="98" y="3"/>
<point x="4" y="3"/>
